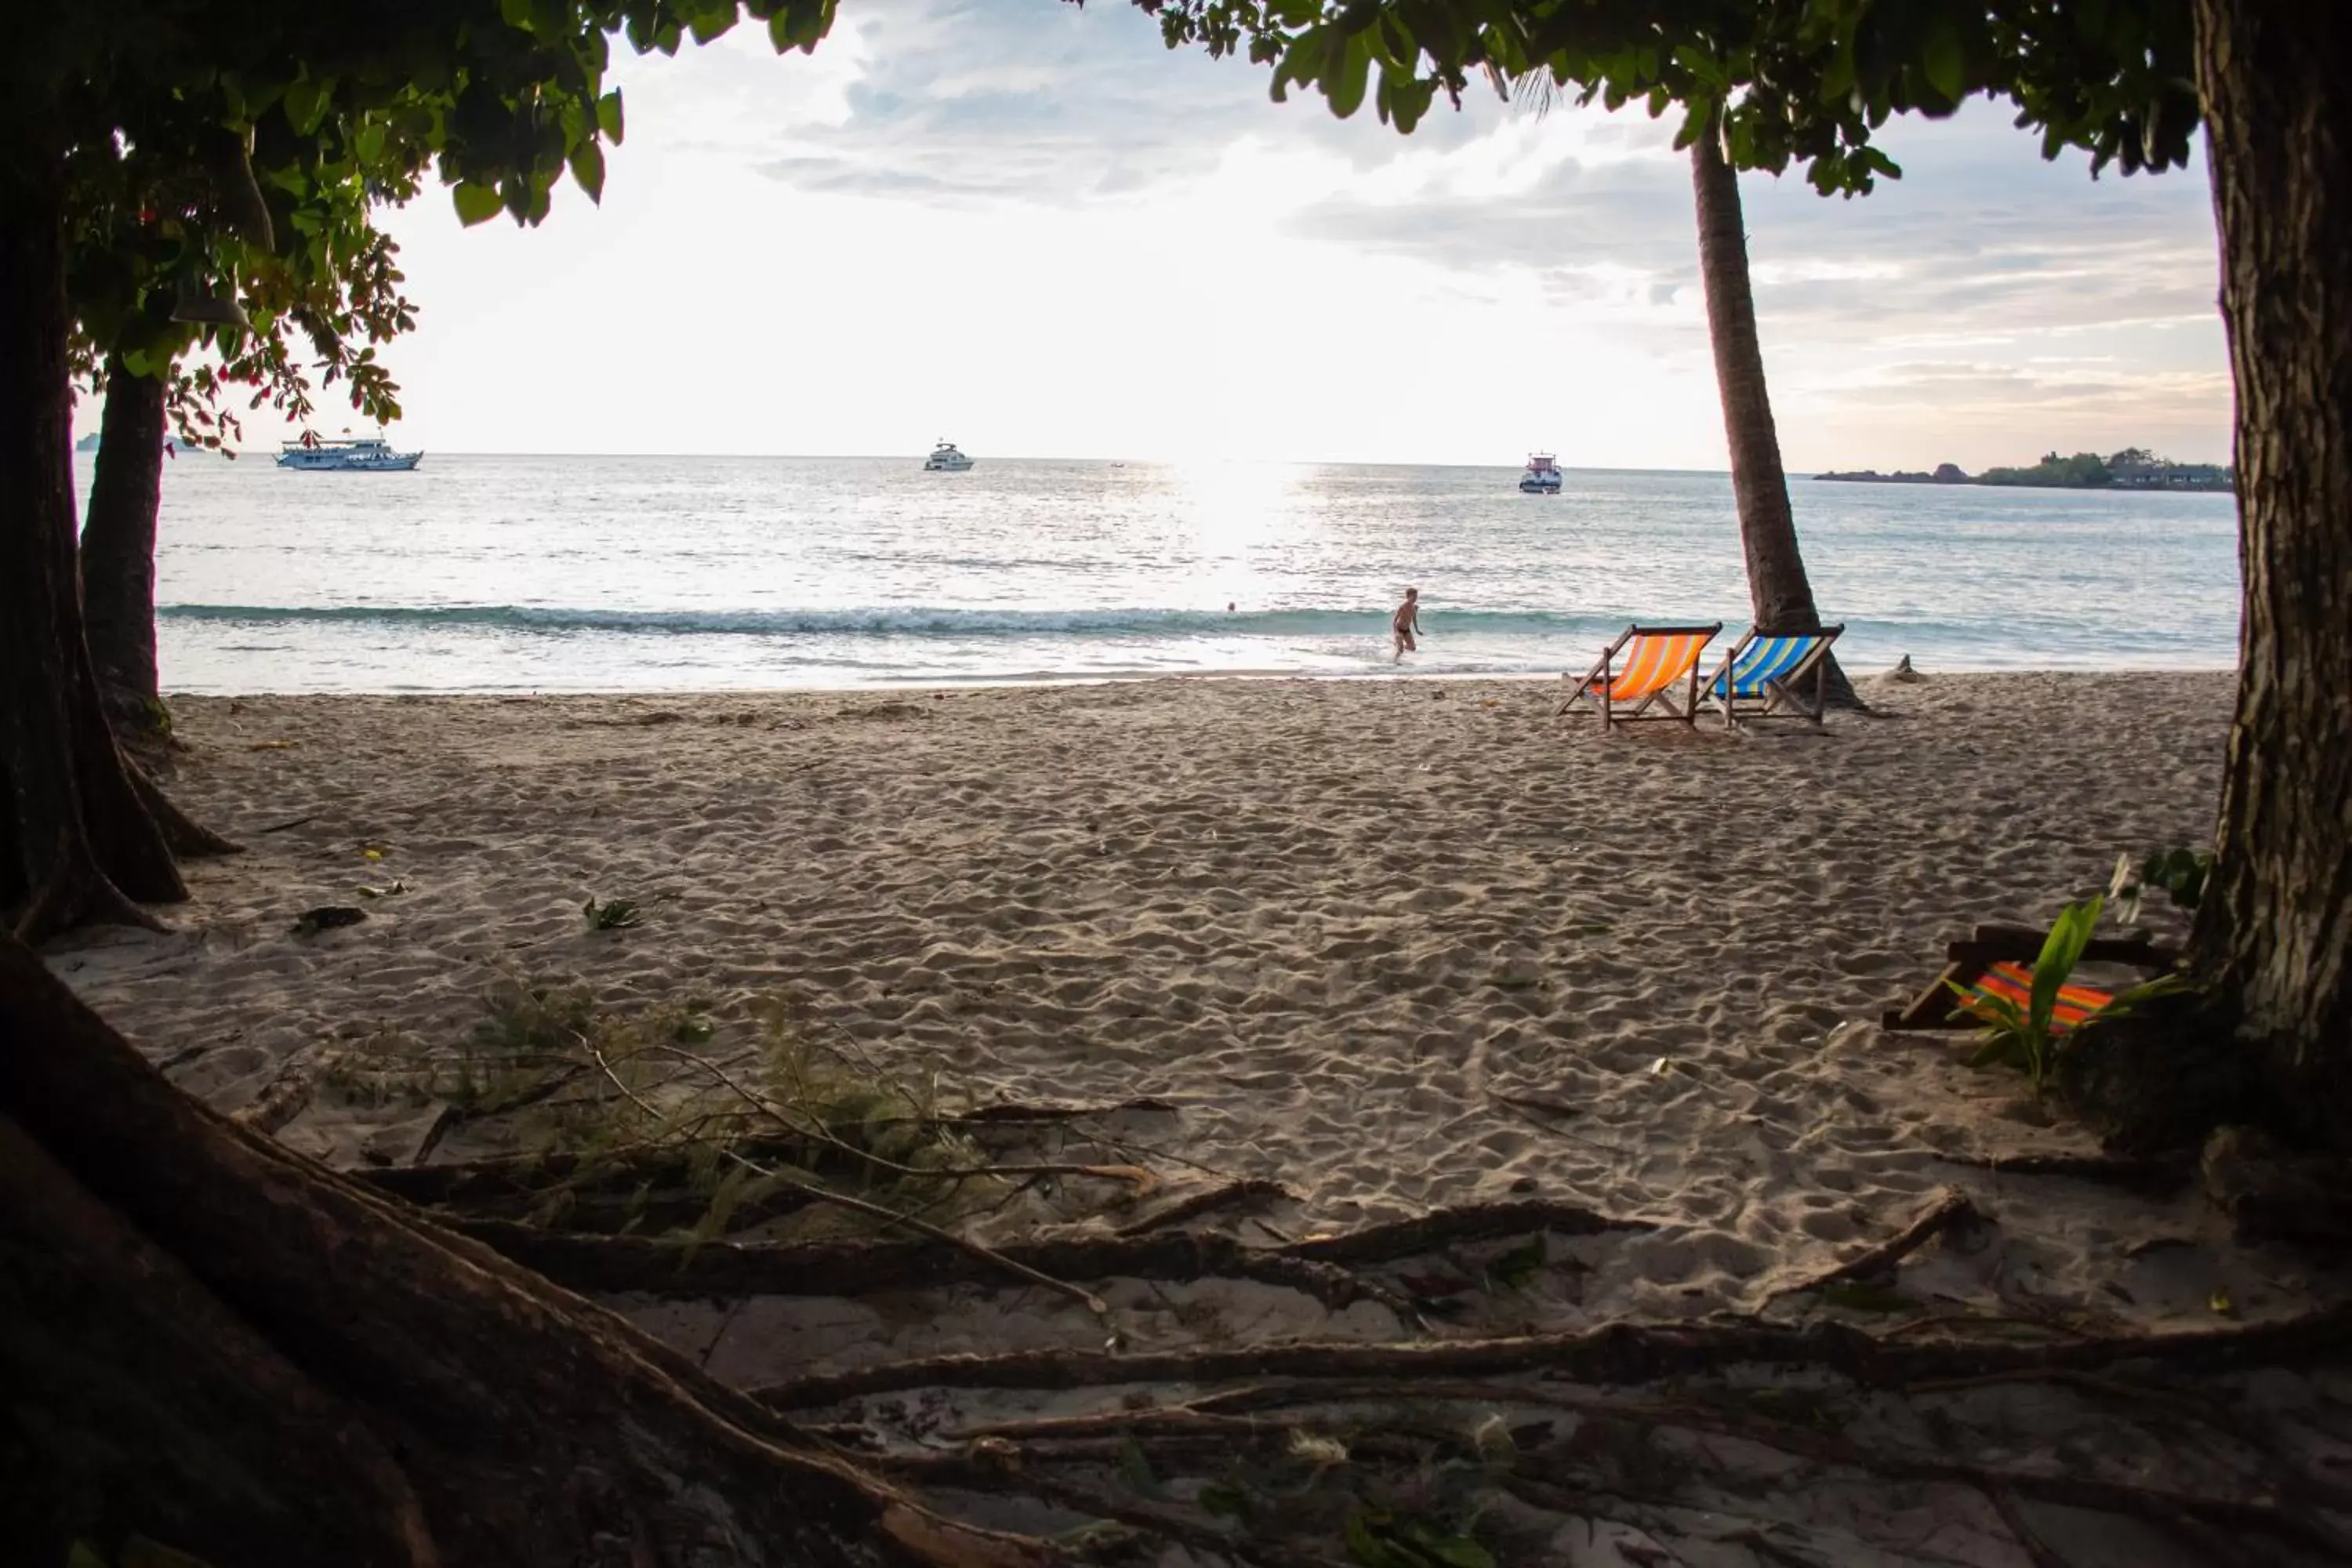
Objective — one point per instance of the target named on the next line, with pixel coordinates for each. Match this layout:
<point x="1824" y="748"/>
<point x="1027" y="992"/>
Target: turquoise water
<point x="675" y="574"/>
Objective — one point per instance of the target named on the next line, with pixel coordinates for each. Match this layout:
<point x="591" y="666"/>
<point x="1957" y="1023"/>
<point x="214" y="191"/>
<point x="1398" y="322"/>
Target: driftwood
<point x="1614" y="1356"/>
<point x="224" y="1346"/>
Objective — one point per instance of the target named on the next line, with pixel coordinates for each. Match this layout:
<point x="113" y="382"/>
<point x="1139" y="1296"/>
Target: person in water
<point x="1405" y="625"/>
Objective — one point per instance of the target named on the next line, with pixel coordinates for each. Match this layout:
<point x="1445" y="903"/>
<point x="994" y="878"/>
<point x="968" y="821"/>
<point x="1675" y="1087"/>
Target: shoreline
<point x="1141" y="677"/>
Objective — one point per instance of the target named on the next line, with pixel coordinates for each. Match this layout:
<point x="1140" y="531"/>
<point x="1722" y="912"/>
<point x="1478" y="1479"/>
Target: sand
<point x="1395" y="945"/>
<point x="1349" y="930"/>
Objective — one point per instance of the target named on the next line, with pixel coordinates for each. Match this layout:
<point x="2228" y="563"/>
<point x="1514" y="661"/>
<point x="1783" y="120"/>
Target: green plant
<point x="612" y="914"/>
<point x="2030" y="1038"/>
<point x="2179" y="873"/>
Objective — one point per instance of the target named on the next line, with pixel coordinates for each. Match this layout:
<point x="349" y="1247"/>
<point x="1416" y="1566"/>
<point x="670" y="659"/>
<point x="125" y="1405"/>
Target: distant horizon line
<point x="1805" y="472"/>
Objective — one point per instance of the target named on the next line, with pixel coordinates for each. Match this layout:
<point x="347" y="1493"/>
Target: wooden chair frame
<point x="1967" y="961"/>
<point x="1780" y="692"/>
<point x="1602" y="675"/>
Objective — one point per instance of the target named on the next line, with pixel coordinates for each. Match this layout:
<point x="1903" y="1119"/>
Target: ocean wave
<point x="899" y="621"/>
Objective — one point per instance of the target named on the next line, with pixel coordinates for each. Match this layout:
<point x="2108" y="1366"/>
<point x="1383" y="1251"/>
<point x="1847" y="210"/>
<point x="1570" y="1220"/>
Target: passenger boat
<point x="346" y="454"/>
<point x="1542" y="478"/>
<point x="946" y="459"/>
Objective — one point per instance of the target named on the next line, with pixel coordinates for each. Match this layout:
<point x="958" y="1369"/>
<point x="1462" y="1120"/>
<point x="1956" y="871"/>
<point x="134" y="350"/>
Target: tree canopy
<point x="1806" y="82"/>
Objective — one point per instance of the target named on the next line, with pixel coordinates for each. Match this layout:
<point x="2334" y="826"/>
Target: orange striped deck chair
<point x="1640" y="671"/>
<point x="1998" y="960"/>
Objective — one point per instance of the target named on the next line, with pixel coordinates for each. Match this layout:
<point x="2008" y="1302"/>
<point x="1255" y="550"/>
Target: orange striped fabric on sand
<point x="2014" y="983"/>
<point x="1654" y="663"/>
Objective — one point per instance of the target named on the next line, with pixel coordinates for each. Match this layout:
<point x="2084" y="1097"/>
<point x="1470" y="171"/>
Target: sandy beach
<point x="1346" y="929"/>
<point x="1387" y="949"/>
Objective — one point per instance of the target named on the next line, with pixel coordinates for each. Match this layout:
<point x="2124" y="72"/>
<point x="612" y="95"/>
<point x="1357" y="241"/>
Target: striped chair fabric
<point x="1766" y="660"/>
<point x="1654" y="662"/>
<point x="2014" y="982"/>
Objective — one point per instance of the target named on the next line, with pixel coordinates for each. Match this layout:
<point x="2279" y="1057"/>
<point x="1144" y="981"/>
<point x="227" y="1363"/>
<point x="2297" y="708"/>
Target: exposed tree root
<point x="1478" y="1222"/>
<point x="621" y="1263"/>
<point x="181" y="833"/>
<point x="531" y="1427"/>
<point x="1949" y="1212"/>
<point x="1615" y="1354"/>
<point x="1242" y="1190"/>
<point x="2152" y="1177"/>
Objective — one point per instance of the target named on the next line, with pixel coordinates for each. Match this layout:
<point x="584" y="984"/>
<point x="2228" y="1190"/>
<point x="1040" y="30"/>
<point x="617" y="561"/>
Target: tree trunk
<point x="1780" y="594"/>
<point x="77" y="841"/>
<point x="212" y="1342"/>
<point x="2275" y="926"/>
<point x="118" y="553"/>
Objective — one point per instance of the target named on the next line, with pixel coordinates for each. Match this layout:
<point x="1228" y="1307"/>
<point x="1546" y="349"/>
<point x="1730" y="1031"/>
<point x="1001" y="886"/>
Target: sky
<point x="1028" y="227"/>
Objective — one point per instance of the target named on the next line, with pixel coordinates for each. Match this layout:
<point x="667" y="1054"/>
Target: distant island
<point x="2132" y="468"/>
<point x="87" y="443"/>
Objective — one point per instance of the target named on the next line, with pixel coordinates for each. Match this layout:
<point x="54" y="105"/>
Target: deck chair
<point x="1640" y="670"/>
<point x="1761" y="677"/>
<point x="1998" y="960"/>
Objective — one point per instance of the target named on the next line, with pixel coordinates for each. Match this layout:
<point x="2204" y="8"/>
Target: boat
<point x="946" y="459"/>
<point x="347" y="453"/>
<point x="1542" y="478"/>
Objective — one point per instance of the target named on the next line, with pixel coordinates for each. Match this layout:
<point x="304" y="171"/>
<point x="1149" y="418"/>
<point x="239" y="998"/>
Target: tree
<point x="150" y="283"/>
<point x="2130" y="81"/>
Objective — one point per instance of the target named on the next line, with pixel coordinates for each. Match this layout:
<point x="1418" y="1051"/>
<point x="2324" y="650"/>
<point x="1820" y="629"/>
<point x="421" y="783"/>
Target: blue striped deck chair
<point x="1761" y="677"/>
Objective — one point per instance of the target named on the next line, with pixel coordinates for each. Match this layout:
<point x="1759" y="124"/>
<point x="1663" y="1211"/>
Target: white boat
<point x="1542" y="478"/>
<point x="347" y="453"/>
<point x="946" y="459"/>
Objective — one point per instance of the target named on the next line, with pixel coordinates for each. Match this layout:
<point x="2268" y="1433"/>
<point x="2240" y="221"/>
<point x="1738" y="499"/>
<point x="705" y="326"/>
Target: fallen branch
<point x="1949" y="1211"/>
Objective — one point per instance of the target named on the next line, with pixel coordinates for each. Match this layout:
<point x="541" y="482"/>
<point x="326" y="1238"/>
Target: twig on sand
<point x="1084" y="1297"/>
<point x="290" y="822"/>
<point x="1948" y="1211"/>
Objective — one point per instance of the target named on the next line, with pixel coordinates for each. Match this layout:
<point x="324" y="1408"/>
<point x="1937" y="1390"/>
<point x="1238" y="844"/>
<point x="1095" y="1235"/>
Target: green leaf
<point x="306" y="105"/>
<point x="588" y="168"/>
<point x="367" y="142"/>
<point x="476" y="203"/>
<point x="608" y="116"/>
<point x="516" y="14"/>
<point x="1944" y="60"/>
<point x="2069" y="934"/>
<point x="1345" y="85"/>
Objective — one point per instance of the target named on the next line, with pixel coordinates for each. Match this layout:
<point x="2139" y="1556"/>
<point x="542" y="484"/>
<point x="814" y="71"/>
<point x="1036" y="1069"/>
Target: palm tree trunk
<point x="1780" y="594"/>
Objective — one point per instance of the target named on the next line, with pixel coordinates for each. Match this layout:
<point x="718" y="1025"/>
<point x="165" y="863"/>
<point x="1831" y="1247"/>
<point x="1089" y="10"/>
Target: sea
<point x="667" y="574"/>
